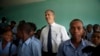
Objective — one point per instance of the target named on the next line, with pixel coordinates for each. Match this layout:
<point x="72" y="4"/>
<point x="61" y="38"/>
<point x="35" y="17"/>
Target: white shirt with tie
<point x="59" y="35"/>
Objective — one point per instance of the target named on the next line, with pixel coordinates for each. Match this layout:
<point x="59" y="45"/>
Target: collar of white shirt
<point x="53" y="24"/>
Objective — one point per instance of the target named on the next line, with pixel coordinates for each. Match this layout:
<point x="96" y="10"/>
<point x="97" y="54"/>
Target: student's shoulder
<point x="35" y="42"/>
<point x="65" y="43"/>
<point x="88" y="43"/>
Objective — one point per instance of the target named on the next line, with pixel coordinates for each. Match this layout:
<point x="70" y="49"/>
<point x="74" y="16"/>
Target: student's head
<point x="22" y="21"/>
<point x="7" y="35"/>
<point x="49" y="15"/>
<point x="84" y="33"/>
<point x="96" y="27"/>
<point x="76" y="29"/>
<point x="4" y="19"/>
<point x="89" y="28"/>
<point x="19" y="29"/>
<point x="12" y="24"/>
<point x="23" y="31"/>
<point x="38" y="33"/>
<point x="7" y="27"/>
<point x="96" y="38"/>
<point x="33" y="28"/>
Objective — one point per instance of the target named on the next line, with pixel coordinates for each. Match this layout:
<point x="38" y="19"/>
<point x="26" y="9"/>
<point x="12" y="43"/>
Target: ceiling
<point x="17" y="2"/>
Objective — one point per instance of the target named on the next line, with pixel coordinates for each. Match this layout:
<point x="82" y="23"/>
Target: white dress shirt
<point x="59" y="35"/>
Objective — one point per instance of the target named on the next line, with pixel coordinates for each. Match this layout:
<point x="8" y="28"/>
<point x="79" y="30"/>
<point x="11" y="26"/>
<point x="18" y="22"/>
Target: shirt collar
<point x="53" y="24"/>
<point x="83" y="42"/>
<point x="70" y="43"/>
<point x="33" y="37"/>
<point x="26" y="42"/>
<point x="8" y="44"/>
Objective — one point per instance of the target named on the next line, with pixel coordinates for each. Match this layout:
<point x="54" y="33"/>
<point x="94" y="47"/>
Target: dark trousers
<point x="48" y="54"/>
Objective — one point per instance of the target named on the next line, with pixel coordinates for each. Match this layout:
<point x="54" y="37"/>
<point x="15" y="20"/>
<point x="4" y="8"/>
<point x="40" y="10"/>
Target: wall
<point x="65" y="10"/>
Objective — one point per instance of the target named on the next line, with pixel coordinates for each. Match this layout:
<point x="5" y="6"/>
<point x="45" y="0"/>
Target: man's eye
<point x="98" y="37"/>
<point x="79" y="28"/>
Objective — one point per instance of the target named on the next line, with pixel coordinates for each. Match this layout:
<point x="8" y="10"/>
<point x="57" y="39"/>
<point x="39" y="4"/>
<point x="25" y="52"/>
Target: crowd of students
<point x="50" y="40"/>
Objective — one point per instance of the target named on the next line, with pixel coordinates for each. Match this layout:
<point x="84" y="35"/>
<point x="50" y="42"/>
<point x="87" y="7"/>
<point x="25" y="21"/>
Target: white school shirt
<point x="5" y="51"/>
<point x="59" y="34"/>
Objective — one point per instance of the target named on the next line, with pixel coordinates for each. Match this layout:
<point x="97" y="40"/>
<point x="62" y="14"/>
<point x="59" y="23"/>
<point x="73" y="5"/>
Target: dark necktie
<point x="49" y="44"/>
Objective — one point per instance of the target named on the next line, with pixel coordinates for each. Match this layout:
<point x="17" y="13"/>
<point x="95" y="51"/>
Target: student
<point x="7" y="48"/>
<point x="33" y="29"/>
<point x="3" y="23"/>
<point x="94" y="50"/>
<point x="52" y="35"/>
<point x="74" y="46"/>
<point x="96" y="38"/>
<point x="89" y="32"/>
<point x="27" y="47"/>
<point x="17" y="38"/>
<point x="13" y="28"/>
<point x="12" y="24"/>
<point x="38" y="33"/>
<point x="96" y="27"/>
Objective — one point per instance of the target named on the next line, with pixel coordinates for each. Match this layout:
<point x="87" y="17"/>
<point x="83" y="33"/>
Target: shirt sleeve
<point x="64" y="35"/>
<point x="36" y="49"/>
<point x="60" y="50"/>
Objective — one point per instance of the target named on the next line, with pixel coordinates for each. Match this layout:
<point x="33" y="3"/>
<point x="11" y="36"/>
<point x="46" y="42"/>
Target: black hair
<point x="89" y="25"/>
<point x="22" y="21"/>
<point x="24" y="27"/>
<point x="76" y="20"/>
<point x="95" y="26"/>
<point x="13" y="22"/>
<point x="4" y="31"/>
<point x="3" y="19"/>
<point x="33" y="26"/>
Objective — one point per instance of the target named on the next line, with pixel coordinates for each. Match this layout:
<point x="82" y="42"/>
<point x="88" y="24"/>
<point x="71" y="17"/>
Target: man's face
<point x="12" y="25"/>
<point x="76" y="29"/>
<point x="19" y="34"/>
<point x="49" y="17"/>
<point x="8" y="36"/>
<point x="96" y="38"/>
<point x="89" y="28"/>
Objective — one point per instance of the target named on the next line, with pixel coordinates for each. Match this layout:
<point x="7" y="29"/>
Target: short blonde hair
<point x="50" y="11"/>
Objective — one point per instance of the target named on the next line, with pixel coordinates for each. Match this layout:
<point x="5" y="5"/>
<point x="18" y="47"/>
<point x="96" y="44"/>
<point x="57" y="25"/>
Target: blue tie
<point x="49" y="44"/>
